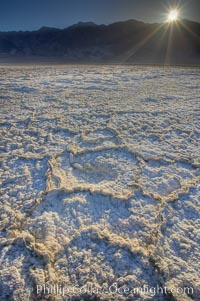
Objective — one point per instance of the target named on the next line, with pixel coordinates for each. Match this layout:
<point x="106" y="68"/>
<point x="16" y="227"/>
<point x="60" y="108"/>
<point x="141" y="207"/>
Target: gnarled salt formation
<point x="100" y="176"/>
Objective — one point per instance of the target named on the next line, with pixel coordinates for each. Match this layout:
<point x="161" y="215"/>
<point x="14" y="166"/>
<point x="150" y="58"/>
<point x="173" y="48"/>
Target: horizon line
<point x="96" y="24"/>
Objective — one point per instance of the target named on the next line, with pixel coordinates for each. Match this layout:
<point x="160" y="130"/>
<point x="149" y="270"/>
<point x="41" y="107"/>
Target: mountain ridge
<point x="128" y="41"/>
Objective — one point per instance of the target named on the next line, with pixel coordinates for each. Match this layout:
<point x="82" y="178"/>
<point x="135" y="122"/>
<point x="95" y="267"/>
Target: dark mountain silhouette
<point x="122" y="42"/>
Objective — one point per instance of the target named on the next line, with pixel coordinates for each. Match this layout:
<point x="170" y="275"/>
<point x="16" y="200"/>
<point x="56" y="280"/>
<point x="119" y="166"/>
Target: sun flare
<point x="173" y="15"/>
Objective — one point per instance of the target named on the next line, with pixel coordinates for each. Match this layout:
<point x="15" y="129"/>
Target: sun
<point x="173" y="15"/>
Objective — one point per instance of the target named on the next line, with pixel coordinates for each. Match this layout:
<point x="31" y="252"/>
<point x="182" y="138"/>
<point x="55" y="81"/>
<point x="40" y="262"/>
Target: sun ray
<point x="169" y="46"/>
<point x="139" y="45"/>
<point x="190" y="31"/>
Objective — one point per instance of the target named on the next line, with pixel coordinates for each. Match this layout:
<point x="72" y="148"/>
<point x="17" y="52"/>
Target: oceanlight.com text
<point x="113" y="289"/>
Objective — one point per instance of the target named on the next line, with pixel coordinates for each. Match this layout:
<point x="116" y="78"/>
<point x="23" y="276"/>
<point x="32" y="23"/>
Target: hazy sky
<point x="33" y="14"/>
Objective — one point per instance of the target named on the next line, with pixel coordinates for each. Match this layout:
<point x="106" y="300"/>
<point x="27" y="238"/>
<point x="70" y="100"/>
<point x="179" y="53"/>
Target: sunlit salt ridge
<point x="99" y="179"/>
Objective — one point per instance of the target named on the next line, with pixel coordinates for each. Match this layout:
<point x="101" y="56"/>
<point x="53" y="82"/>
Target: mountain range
<point x="176" y="43"/>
